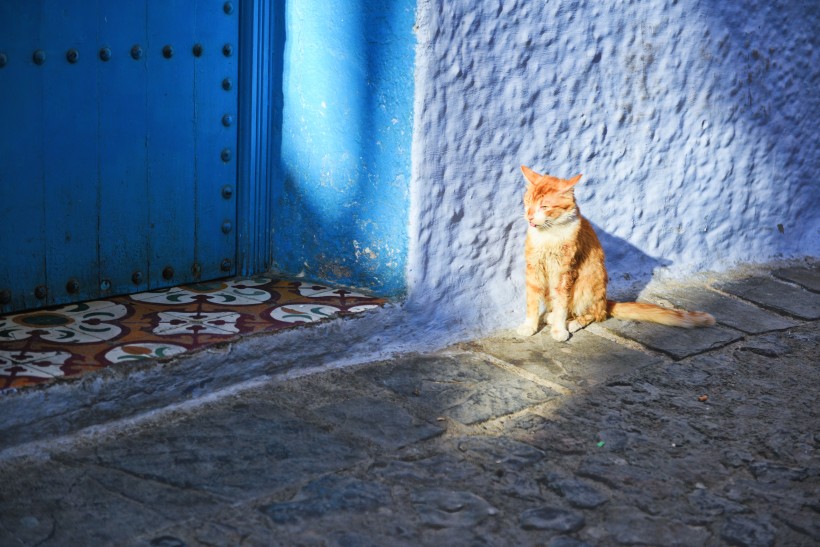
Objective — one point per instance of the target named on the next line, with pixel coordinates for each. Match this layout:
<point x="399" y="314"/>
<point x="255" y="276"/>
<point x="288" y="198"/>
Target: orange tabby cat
<point x="565" y="266"/>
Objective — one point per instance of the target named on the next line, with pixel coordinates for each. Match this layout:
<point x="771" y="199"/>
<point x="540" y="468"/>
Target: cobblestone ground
<point x="627" y="434"/>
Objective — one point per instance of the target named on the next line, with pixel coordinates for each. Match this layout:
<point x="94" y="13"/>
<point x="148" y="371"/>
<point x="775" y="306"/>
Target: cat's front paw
<point x="559" y="334"/>
<point x="526" y="329"/>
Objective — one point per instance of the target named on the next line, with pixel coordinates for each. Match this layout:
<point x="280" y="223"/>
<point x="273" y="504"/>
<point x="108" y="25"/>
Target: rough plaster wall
<point x="694" y="123"/>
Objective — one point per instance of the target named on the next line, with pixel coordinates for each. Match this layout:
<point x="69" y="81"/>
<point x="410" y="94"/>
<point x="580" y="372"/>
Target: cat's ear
<point x="531" y="176"/>
<point x="567" y="185"/>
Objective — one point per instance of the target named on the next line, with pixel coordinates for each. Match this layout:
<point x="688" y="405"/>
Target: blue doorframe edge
<point x="261" y="36"/>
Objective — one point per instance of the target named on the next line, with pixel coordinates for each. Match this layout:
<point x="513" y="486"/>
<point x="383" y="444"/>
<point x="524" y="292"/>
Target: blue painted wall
<point x="341" y="199"/>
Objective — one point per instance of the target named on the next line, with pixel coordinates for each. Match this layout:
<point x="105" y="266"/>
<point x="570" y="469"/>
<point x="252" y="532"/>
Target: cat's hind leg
<point x="578" y="323"/>
<point x="588" y="304"/>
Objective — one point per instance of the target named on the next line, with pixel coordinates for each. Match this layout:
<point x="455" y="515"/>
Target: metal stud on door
<point x="117" y="144"/>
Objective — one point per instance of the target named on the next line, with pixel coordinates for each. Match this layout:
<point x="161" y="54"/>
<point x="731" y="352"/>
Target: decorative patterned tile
<point x="302" y="313"/>
<point x="229" y="293"/>
<point x="222" y="323"/>
<point x="42" y="346"/>
<point x="33" y="361"/>
<point x="141" y="351"/>
<point x="319" y="291"/>
<point x="193" y="325"/>
<point x="73" y="324"/>
<point x="37" y="364"/>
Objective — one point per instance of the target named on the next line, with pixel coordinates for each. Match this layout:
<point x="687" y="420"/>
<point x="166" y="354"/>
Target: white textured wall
<point x="695" y="124"/>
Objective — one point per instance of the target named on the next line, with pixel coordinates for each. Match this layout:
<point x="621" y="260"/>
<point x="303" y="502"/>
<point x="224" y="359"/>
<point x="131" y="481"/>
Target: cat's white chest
<point x="554" y="236"/>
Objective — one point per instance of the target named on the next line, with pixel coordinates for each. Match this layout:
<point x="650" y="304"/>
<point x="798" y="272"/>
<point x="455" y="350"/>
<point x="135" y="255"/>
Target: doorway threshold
<point x="65" y="343"/>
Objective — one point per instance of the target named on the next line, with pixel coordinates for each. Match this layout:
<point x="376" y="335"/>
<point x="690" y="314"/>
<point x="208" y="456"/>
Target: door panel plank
<point x="70" y="138"/>
<point x="215" y="215"/>
<point x="124" y="190"/>
<point x="173" y="184"/>
<point x="22" y="191"/>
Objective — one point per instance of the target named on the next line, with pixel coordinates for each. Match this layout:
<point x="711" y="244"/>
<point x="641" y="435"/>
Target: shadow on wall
<point x="770" y="50"/>
<point x="630" y="269"/>
<point x="343" y="126"/>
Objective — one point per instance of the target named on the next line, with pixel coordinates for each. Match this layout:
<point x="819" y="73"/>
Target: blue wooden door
<point x="117" y="147"/>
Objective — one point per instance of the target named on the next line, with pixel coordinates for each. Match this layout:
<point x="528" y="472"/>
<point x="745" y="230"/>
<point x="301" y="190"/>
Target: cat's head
<point x="549" y="200"/>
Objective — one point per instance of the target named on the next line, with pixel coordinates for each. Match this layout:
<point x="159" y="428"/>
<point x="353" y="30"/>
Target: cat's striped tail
<point x="639" y="311"/>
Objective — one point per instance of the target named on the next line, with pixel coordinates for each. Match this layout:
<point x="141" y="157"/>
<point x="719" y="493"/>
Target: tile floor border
<point x="66" y="342"/>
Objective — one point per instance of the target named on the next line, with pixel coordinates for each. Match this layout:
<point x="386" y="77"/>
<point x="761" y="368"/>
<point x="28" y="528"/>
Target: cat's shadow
<point x="630" y="269"/>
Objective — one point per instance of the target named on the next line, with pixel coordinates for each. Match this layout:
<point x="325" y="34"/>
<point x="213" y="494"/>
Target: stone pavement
<point x="627" y="434"/>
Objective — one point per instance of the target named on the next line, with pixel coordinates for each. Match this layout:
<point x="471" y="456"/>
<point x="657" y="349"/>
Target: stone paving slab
<point x="329" y="494"/>
<point x="466" y="389"/>
<point x="732" y="312"/>
<point x="775" y="295"/>
<point x="630" y="527"/>
<point x="243" y="450"/>
<point x="807" y="277"/>
<point x="53" y="502"/>
<point x="443" y="468"/>
<point x="379" y="421"/>
<point x="584" y="360"/>
<point x="76" y="502"/>
<point x="326" y="521"/>
<point x="674" y="341"/>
